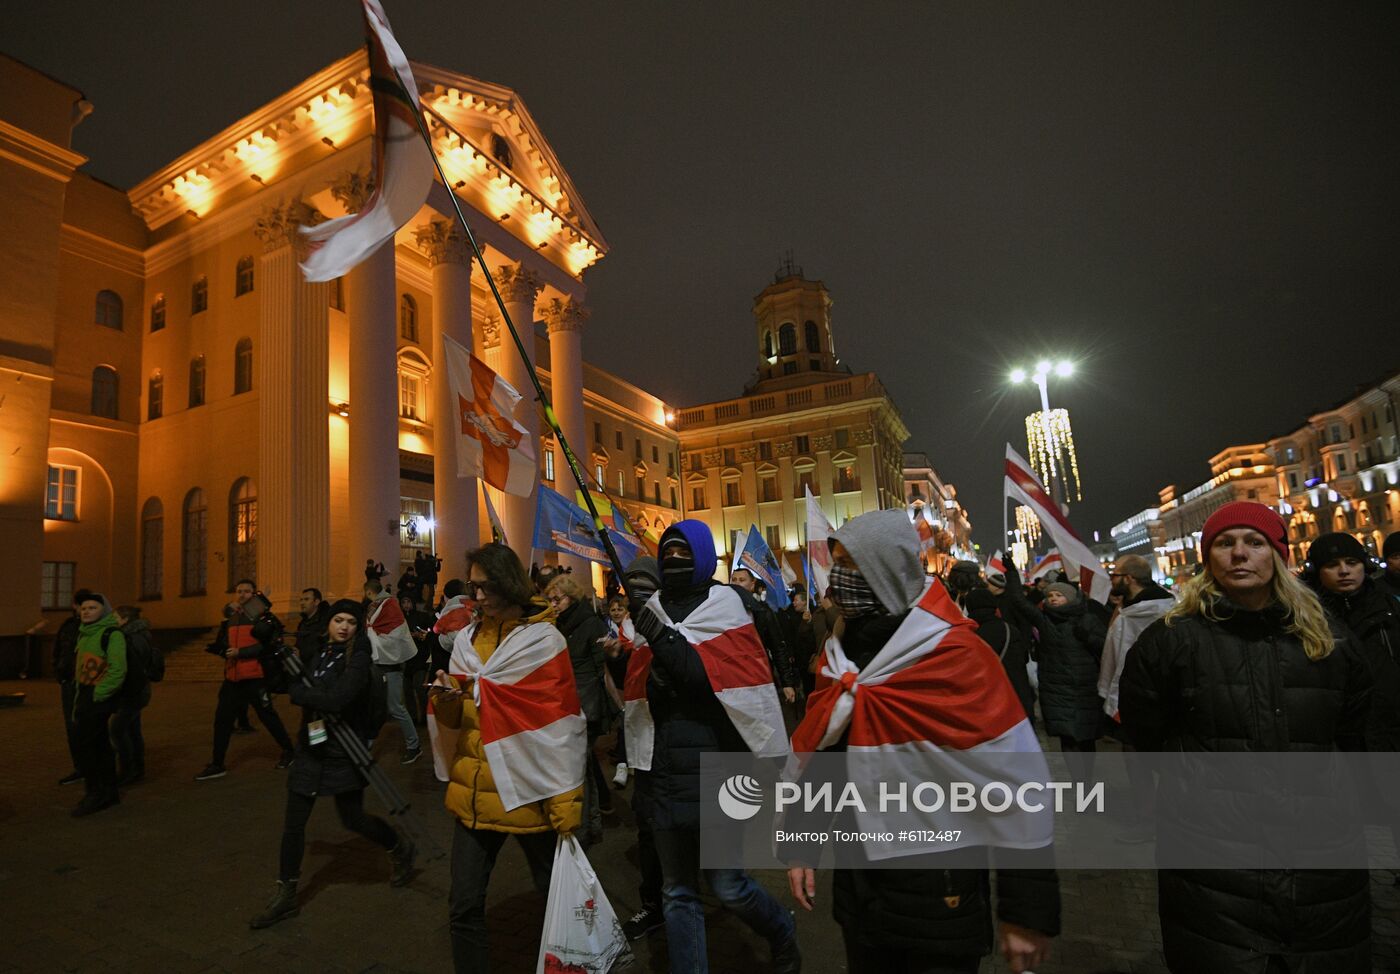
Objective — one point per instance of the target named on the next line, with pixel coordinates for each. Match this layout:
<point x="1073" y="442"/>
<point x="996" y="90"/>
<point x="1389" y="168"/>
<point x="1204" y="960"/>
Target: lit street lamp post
<point x="1048" y="434"/>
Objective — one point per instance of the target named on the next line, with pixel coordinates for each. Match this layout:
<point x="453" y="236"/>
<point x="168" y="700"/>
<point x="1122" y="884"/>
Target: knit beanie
<point x="349" y="607"/>
<point x="1334" y="547"/>
<point x="1247" y="514"/>
<point x="1070" y="593"/>
<point x="1392" y="545"/>
<point x="99" y="597"/>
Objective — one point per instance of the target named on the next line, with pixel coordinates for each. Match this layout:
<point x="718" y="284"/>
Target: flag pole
<point x="545" y="405"/>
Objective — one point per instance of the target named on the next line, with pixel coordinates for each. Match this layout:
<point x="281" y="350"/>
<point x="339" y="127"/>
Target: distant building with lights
<point x="927" y="497"/>
<point x="1338" y="471"/>
<point x="805" y="422"/>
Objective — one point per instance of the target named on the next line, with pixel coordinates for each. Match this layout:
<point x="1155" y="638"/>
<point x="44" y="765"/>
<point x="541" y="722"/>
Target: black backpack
<point x="142" y="656"/>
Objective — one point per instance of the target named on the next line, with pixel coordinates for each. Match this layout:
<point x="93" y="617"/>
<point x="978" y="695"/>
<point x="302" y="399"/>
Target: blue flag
<point x="565" y="527"/>
<point x="807" y="581"/>
<point x="758" y="558"/>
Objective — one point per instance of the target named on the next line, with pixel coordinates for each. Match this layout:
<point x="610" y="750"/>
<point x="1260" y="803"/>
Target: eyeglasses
<point x="483" y="588"/>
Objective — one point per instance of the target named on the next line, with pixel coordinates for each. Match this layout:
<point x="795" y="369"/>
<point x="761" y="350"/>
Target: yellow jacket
<point x="471" y="789"/>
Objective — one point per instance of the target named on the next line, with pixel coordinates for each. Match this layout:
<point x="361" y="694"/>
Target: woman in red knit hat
<point x="1248" y="661"/>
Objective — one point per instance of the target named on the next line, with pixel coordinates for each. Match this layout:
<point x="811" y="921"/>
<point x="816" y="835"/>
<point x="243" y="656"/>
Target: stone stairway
<point x="189" y="663"/>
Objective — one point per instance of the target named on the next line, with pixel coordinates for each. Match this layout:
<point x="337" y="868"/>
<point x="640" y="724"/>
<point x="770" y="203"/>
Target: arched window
<point x="104" y="392"/>
<point x="197" y="381"/>
<point x="109" y="310"/>
<point x="199" y="296"/>
<point x="814" y="336"/>
<point x="500" y="150"/>
<point x="152" y="548"/>
<point x="767" y="344"/>
<point x="243" y="276"/>
<point x="158" y="313"/>
<point x="193" y="541"/>
<point x="787" y="339"/>
<point x="243" y="366"/>
<point x="242" y="531"/>
<point x="155" y="396"/>
<point x="408" y="318"/>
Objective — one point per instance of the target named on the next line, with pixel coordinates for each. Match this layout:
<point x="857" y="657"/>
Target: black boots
<point x="401" y="857"/>
<point x="282" y="906"/>
<point x="787" y="959"/>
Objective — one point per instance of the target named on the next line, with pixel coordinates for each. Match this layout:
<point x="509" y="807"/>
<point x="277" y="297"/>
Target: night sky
<point x="1195" y="202"/>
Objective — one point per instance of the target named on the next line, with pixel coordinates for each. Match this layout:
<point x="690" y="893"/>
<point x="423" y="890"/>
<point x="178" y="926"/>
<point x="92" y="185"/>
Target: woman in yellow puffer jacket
<point x="505" y="598"/>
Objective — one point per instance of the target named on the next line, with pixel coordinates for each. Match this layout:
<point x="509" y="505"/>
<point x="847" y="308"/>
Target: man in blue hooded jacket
<point x="690" y="721"/>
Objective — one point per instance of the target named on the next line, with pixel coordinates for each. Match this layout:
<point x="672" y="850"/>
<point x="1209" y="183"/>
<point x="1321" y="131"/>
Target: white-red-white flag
<point x="1049" y="562"/>
<point x="490" y="443"/>
<point x="724" y="636"/>
<point x="934" y="692"/>
<point x="996" y="565"/>
<point x="1023" y="485"/>
<point x="819" y="529"/>
<point x="532" y="724"/>
<point x="457" y="613"/>
<point x="402" y="162"/>
<point x="389" y="637"/>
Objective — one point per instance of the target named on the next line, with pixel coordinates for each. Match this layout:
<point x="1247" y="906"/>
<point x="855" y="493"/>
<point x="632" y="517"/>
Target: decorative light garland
<point x="1052" y="452"/>
<point x="1028" y="524"/>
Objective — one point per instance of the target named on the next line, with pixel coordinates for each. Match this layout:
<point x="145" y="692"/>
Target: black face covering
<point x="677" y="567"/>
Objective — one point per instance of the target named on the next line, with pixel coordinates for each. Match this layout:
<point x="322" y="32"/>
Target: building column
<point x="455" y="507"/>
<point x="519" y="287"/>
<point x="823" y="443"/>
<point x="565" y="320"/>
<point x="370" y="307"/>
<point x="868" y="473"/>
<point x="292" y="373"/>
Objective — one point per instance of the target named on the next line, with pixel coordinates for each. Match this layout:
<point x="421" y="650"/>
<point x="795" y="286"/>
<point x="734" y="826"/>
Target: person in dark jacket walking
<point x="244" y="642"/>
<point x="1069" y="676"/>
<point x="65" y="661"/>
<point x="926" y="919"/>
<point x="340" y="675"/>
<point x="1186" y="688"/>
<point x="690" y="721"/>
<point x="1006" y="641"/>
<point x="770" y="633"/>
<point x="311" y="623"/>
<point x="585" y="632"/>
<point x="135" y="696"/>
<point x="800" y="635"/>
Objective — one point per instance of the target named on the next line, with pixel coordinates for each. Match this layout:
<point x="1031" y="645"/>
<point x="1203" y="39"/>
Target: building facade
<point x="806" y="423"/>
<point x="927" y="498"/>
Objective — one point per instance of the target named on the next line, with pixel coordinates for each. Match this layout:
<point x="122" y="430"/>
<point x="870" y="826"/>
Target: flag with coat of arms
<point x="490" y="443"/>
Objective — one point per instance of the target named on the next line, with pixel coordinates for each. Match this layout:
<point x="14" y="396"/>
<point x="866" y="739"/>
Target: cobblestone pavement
<point x="167" y="881"/>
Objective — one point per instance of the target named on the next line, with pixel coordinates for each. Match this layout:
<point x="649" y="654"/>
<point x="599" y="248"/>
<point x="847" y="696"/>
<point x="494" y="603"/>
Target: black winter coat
<point x="65" y="649"/>
<point x="1373" y="618"/>
<point x="936" y="912"/>
<point x="1013" y="649"/>
<point x="340" y="686"/>
<point x="689" y="721"/>
<point x="582" y="628"/>
<point x="1069" y="672"/>
<point x="1244" y="684"/>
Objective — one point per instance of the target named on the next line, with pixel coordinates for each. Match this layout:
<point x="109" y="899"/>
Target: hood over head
<point x="980" y="605"/>
<point x="696" y="534"/>
<point x="885" y="547"/>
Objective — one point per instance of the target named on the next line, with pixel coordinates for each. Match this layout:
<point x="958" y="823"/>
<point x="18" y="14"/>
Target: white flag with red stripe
<point x="457" y="613"/>
<point x="389" y="637"/>
<point x="1023" y="485"/>
<point x="402" y="163"/>
<point x="532" y="724"/>
<point x="819" y="529"/>
<point x="1049" y="562"/>
<point x="934" y="692"/>
<point x="995" y="564"/>
<point x="490" y="443"/>
<point x="724" y="636"/>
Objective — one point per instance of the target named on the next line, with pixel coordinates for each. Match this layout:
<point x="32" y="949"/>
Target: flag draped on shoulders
<point x="490" y="443"/>
<point x="1023" y="485"/>
<point x="532" y="725"/>
<point x="403" y="163"/>
<point x="388" y="632"/>
<point x="457" y="614"/>
<point x="935" y="696"/>
<point x="724" y="636"/>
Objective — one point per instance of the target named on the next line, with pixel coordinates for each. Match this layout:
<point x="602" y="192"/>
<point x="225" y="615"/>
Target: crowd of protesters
<point x="1154" y="670"/>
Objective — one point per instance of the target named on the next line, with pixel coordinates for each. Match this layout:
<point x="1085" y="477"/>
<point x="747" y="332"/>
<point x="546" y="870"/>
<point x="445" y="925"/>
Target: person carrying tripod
<point x="339" y="677"/>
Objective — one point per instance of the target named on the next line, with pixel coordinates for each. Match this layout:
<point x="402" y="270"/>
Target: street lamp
<point x="1048" y="432"/>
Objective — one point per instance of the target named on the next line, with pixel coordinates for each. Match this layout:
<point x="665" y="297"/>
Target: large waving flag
<point x="532" y="724"/>
<point x="389" y="637"/>
<point x="1023" y="485"/>
<point x="567" y="528"/>
<point x="724" y="636"/>
<point x="1049" y="562"/>
<point x="490" y="443"/>
<point x="755" y="556"/>
<point x="934" y="692"/>
<point x="403" y="163"/>
<point x="819" y="529"/>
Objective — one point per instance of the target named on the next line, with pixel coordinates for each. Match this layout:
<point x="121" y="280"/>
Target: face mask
<point x="677" y="567"/>
<point x="853" y="594"/>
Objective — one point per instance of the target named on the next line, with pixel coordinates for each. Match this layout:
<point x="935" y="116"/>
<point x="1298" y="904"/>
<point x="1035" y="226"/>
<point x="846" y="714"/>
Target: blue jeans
<point x="679" y="852"/>
<point x="393" y="688"/>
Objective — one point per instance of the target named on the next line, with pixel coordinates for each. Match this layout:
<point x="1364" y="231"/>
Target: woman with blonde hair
<point x="1248" y="661"/>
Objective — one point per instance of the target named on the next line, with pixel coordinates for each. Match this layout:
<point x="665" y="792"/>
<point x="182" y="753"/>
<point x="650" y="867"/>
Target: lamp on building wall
<point x="340" y="408"/>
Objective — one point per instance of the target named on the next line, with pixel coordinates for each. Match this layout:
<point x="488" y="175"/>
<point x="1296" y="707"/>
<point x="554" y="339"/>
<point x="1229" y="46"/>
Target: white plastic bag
<point x="582" y="934"/>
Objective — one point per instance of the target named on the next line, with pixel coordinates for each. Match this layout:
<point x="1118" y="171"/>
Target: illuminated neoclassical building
<point x="179" y="408"/>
